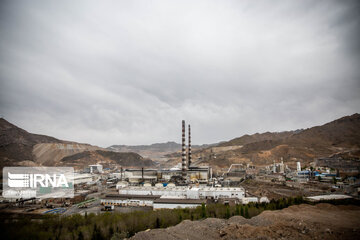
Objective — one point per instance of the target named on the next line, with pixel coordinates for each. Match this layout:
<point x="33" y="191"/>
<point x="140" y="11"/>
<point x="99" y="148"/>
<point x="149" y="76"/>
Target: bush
<point x="121" y="225"/>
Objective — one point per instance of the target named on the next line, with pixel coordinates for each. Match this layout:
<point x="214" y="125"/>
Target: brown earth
<point x="279" y="190"/>
<point x="51" y="154"/>
<point x="156" y="151"/>
<point x="322" y="221"/>
<point x="341" y="135"/>
<point x="21" y="148"/>
<point x="106" y="158"/>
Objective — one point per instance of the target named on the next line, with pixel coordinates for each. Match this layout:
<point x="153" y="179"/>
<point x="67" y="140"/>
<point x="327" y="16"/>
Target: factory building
<point x="177" y="203"/>
<point x="279" y="167"/>
<point x="97" y="168"/>
<point x="184" y="173"/>
<point x="186" y="192"/>
<point x="155" y="201"/>
<point x="247" y="200"/>
<point x="199" y="174"/>
<point x="129" y="200"/>
<point x="135" y="177"/>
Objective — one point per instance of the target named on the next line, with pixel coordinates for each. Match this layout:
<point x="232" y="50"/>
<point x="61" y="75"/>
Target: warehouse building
<point x="171" y="203"/>
<point x="186" y="192"/>
<point x="128" y="200"/>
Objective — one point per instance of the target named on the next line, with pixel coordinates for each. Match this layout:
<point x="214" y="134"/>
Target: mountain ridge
<point x="21" y="148"/>
<point x="304" y="145"/>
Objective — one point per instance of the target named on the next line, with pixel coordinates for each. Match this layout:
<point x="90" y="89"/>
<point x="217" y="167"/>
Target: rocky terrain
<point x="322" y="221"/>
<point x="18" y="147"/>
<point x="21" y="148"/>
<point x="341" y="135"/>
<point x="156" y="151"/>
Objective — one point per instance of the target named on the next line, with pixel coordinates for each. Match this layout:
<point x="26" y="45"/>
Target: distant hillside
<point x="107" y="158"/>
<point x="158" y="151"/>
<point x="257" y="137"/>
<point x="16" y="144"/>
<point x="21" y="148"/>
<point x="160" y="147"/>
<point x="301" y="145"/>
<point x="343" y="132"/>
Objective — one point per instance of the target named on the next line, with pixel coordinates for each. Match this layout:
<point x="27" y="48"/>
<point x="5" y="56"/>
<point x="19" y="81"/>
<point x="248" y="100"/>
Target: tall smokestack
<point x="189" y="148"/>
<point x="183" y="155"/>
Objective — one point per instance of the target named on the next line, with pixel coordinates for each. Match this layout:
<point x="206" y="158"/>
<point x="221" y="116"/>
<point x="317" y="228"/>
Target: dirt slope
<point x="258" y="137"/>
<point x="16" y="144"/>
<point x="322" y="221"/>
<point x="106" y="158"/>
<point x="50" y="154"/>
<point x="341" y="135"/>
<point x="21" y="148"/>
<point x="156" y="151"/>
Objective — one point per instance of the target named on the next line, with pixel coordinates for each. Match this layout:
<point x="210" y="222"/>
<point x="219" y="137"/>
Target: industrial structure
<point x="185" y="192"/>
<point x="183" y="151"/>
<point x="189" y="148"/>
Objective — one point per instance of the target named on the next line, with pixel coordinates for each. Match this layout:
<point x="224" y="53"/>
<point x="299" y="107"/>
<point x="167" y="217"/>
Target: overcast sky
<point x="128" y="72"/>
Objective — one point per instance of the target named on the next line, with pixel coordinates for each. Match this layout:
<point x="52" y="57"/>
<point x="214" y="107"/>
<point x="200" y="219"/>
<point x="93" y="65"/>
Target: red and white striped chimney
<point x="183" y="154"/>
<point x="189" y="148"/>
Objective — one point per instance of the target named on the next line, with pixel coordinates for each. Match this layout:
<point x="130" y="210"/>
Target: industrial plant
<point x="188" y="186"/>
<point x="190" y="183"/>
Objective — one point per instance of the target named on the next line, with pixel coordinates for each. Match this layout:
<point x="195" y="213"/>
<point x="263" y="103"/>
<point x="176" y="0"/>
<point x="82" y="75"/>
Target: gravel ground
<point x="322" y="221"/>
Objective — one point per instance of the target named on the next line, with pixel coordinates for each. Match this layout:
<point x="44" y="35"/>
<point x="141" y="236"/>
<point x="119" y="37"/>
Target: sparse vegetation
<point x="121" y="225"/>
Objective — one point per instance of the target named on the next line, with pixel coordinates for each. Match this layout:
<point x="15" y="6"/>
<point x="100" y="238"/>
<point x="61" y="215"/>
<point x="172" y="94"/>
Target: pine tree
<point x="227" y="214"/>
<point x="237" y="210"/>
<point x="157" y="223"/>
<point x="80" y="236"/>
<point x="111" y="231"/>
<point x="203" y="210"/>
<point x="246" y="212"/>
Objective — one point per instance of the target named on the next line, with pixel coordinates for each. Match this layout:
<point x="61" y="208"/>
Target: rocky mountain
<point x="21" y="148"/>
<point x="301" y="145"/>
<point x="156" y="151"/>
<point x="258" y="137"/>
<point x="160" y="147"/>
<point x="16" y="144"/>
<point x="106" y="158"/>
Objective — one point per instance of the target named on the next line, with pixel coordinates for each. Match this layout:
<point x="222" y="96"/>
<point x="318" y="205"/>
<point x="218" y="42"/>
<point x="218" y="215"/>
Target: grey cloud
<point x="127" y="72"/>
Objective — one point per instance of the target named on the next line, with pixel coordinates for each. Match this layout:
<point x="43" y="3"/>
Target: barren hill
<point x="21" y="148"/>
<point x="258" y="137"/>
<point x="322" y="221"/>
<point x="156" y="151"/>
<point x="301" y="145"/>
<point x="16" y="144"/>
<point x="107" y="158"/>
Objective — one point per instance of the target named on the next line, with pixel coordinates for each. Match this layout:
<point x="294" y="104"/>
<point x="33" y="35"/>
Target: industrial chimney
<point x="189" y="148"/>
<point x="183" y="155"/>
